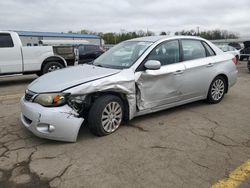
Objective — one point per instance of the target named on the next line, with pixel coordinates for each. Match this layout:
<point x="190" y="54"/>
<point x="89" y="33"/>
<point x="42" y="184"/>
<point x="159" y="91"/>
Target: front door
<point x="156" y="88"/>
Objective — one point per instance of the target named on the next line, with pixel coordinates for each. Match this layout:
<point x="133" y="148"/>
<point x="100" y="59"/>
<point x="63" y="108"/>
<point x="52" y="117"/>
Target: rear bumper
<point x="59" y="123"/>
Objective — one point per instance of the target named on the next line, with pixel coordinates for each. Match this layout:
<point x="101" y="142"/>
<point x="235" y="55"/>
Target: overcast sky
<point x="129" y="15"/>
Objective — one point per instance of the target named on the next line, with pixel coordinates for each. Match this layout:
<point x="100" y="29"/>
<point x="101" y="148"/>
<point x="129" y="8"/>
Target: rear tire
<point x="217" y="90"/>
<point x="51" y="66"/>
<point x="105" y="115"/>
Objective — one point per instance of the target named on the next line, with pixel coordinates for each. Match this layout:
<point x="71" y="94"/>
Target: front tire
<point x="217" y="90"/>
<point x="51" y="66"/>
<point x="105" y="115"/>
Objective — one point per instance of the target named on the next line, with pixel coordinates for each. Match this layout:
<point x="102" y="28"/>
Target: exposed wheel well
<point x="93" y="96"/>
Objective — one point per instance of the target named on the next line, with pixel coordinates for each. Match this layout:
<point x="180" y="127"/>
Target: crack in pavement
<point x="212" y="138"/>
<point x="63" y="172"/>
<point x="137" y="127"/>
<point x="165" y="147"/>
<point x="34" y="179"/>
<point x="198" y="164"/>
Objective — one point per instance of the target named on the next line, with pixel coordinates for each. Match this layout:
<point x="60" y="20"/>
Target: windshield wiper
<point x="98" y="65"/>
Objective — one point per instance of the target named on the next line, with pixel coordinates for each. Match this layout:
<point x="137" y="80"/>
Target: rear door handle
<point x="178" y="72"/>
<point x="210" y="64"/>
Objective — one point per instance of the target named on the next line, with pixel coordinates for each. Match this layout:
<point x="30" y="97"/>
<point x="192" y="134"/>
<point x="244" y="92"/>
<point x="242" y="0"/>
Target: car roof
<point x="157" y="38"/>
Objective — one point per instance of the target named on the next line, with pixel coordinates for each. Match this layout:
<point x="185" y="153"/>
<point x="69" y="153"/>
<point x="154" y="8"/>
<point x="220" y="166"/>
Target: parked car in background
<point x="135" y="77"/>
<point x="88" y="53"/>
<point x="236" y="45"/>
<point x="232" y="50"/>
<point x="245" y="52"/>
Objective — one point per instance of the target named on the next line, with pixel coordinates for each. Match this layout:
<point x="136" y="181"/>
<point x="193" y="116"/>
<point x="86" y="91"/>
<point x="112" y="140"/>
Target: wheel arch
<point x="226" y="78"/>
<point x="122" y="96"/>
<point x="54" y="58"/>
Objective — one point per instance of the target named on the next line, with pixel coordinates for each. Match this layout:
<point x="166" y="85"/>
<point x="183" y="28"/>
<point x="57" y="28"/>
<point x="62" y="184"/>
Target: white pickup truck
<point x="16" y="59"/>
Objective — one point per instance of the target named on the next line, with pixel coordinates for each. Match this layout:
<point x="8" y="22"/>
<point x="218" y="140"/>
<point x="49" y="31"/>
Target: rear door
<point x="10" y="55"/>
<point x="198" y="58"/>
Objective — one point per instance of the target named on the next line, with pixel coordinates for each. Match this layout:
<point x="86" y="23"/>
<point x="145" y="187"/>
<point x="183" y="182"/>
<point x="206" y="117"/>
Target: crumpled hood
<point x="69" y="77"/>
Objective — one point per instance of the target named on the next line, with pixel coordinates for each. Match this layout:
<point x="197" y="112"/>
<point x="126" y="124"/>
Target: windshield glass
<point x="123" y="55"/>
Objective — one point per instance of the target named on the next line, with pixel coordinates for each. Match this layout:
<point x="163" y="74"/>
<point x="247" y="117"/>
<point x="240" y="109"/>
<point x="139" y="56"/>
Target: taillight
<point x="235" y="60"/>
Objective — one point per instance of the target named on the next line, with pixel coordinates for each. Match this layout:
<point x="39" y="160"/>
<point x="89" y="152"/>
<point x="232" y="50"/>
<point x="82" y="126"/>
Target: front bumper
<point x="56" y="123"/>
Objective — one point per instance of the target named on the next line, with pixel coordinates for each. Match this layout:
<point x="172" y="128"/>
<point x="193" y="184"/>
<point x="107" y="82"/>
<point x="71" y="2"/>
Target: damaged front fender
<point x="123" y="82"/>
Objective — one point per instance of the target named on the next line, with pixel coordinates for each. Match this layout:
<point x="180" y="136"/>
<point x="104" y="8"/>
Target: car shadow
<point x="170" y="110"/>
<point x="84" y="132"/>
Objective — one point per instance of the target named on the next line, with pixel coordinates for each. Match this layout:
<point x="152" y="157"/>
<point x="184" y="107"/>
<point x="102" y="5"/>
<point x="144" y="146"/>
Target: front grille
<point x="29" y="95"/>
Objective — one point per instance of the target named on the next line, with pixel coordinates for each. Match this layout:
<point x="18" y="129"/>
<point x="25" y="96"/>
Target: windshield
<point x="123" y="55"/>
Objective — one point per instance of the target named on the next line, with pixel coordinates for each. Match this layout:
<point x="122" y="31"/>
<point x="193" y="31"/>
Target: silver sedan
<point x="135" y="77"/>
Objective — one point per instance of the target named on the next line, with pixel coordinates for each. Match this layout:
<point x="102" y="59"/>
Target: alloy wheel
<point x="218" y="89"/>
<point x="111" y="117"/>
<point x="53" y="68"/>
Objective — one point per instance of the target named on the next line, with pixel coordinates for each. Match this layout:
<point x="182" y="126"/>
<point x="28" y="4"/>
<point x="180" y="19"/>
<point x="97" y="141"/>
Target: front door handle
<point x="210" y="64"/>
<point x="178" y="72"/>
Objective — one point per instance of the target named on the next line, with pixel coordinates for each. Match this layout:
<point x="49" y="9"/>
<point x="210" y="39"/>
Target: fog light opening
<point x="45" y="128"/>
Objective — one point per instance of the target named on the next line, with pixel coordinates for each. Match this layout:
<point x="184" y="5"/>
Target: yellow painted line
<point x="11" y="97"/>
<point x="235" y="178"/>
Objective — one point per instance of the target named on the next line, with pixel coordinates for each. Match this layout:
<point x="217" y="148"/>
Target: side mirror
<point x="152" y="65"/>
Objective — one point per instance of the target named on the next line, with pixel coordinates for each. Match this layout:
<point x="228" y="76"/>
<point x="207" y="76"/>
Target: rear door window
<point x="6" y="40"/>
<point x="193" y="49"/>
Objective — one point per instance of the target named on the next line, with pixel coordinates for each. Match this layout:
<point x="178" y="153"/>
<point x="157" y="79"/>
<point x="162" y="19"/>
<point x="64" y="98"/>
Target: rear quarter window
<point x="210" y="51"/>
<point x="6" y="40"/>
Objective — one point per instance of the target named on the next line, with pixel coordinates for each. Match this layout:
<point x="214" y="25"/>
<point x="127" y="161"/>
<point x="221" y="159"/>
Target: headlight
<point x="51" y="99"/>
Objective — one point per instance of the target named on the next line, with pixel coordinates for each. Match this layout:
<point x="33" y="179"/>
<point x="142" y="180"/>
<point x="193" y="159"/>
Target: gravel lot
<point x="194" y="145"/>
